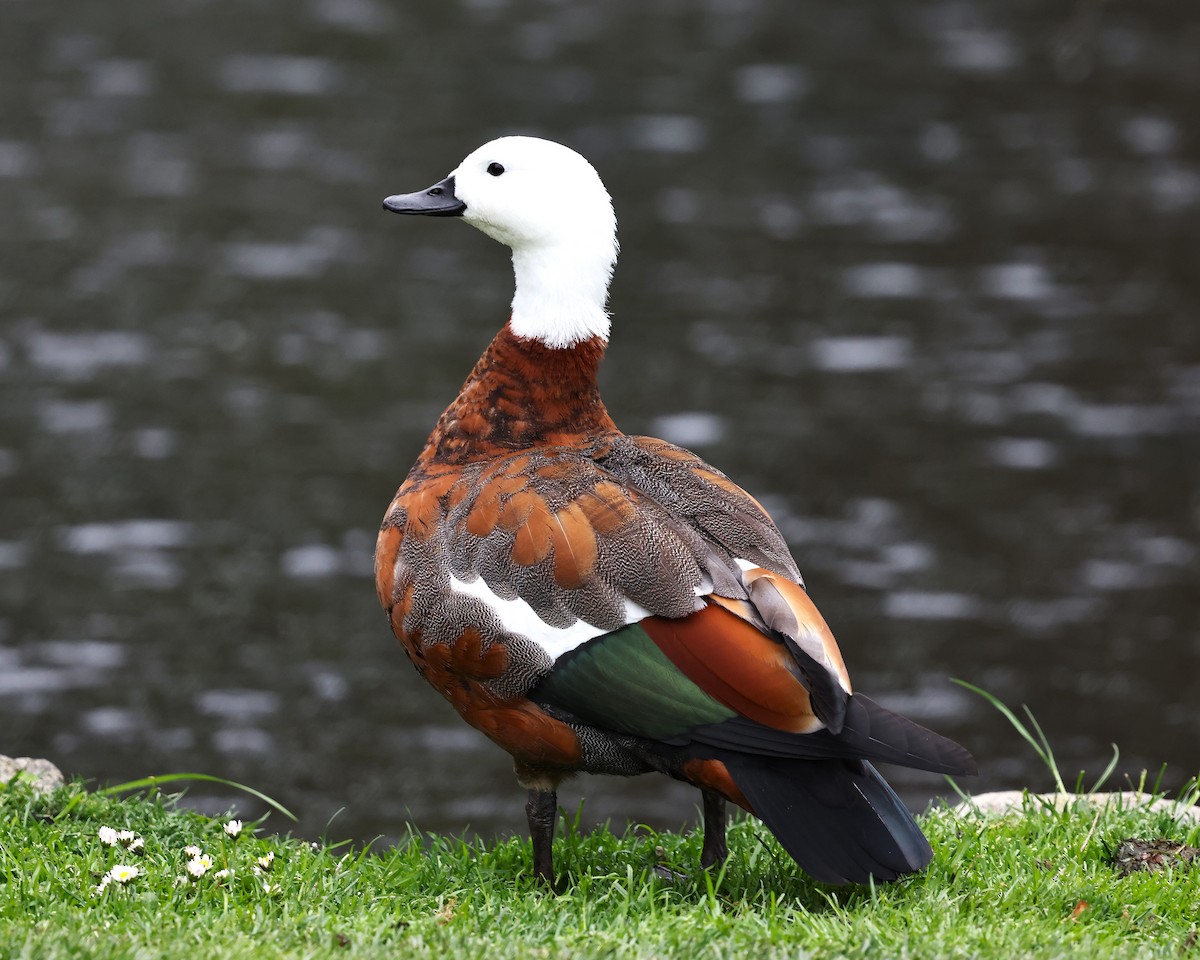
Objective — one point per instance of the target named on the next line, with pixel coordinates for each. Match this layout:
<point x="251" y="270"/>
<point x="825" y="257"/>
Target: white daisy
<point x="233" y="827"/>
<point x="199" y="866"/>
<point x="122" y="873"/>
<point x="108" y="836"/>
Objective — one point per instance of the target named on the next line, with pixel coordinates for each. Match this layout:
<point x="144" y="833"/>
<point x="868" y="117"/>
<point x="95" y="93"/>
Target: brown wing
<point x="576" y="533"/>
<point x="782" y="609"/>
<point x="737" y="665"/>
<point x="699" y="495"/>
<point x="590" y="540"/>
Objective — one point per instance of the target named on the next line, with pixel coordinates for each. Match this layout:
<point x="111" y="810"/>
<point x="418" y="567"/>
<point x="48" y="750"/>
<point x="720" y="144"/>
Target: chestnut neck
<point x="521" y="394"/>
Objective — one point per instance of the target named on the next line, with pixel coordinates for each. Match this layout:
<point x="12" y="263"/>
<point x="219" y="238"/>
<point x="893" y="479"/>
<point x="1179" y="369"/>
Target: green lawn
<point x="1036" y="886"/>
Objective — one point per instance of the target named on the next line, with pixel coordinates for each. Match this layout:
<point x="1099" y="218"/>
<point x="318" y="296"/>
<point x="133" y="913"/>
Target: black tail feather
<point x="820" y="796"/>
<point x="838" y="819"/>
<point x="870" y="732"/>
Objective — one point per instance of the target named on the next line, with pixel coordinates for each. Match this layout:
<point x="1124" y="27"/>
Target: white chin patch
<point x="519" y="617"/>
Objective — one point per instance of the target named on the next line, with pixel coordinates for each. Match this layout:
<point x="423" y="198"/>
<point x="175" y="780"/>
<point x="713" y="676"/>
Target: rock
<point x="1004" y="802"/>
<point x="41" y="775"/>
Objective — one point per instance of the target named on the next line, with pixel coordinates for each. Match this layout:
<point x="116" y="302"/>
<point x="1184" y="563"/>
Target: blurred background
<point x="923" y="275"/>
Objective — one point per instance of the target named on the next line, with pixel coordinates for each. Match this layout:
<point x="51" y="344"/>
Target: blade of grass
<point x="1040" y="744"/>
<point x="147" y="783"/>
<point x="1108" y="771"/>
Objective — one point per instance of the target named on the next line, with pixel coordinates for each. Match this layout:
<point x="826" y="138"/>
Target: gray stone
<point x="42" y="775"/>
<point x="1004" y="802"/>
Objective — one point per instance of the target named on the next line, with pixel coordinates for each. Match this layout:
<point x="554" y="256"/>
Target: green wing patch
<point x="621" y="681"/>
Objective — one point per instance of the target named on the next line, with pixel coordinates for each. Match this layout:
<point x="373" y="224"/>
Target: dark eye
<point x="495" y="169"/>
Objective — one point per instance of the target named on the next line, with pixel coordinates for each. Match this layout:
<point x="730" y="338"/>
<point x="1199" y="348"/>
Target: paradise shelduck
<point x="601" y="603"/>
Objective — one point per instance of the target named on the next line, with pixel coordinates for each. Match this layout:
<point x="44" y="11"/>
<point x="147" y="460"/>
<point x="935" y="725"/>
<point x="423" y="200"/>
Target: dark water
<point x="923" y="276"/>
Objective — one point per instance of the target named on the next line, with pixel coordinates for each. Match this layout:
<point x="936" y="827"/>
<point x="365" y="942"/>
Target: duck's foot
<point x="663" y="872"/>
<point x="714" y="851"/>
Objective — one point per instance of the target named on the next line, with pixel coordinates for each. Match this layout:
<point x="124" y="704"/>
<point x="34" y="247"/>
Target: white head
<point x="548" y="204"/>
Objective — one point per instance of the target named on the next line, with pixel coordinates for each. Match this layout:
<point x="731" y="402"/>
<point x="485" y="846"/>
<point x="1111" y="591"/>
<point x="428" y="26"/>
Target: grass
<point x="1036" y="886"/>
<point x="1039" y="883"/>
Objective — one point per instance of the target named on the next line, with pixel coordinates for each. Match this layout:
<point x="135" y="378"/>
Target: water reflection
<point x="918" y="275"/>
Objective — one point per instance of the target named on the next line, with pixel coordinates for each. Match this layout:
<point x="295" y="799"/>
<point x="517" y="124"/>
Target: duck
<point x="603" y="603"/>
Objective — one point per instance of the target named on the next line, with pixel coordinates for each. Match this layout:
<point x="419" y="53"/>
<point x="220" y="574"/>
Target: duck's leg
<point x="714" y="852"/>
<point x="542" y="810"/>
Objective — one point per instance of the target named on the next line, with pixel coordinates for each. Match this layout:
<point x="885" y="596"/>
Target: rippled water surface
<point x="923" y="276"/>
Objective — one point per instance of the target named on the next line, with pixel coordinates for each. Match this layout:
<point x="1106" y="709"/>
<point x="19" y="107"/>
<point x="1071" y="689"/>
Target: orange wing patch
<point x="557" y="470"/>
<point x="786" y="607"/>
<point x="422" y="504"/>
<point x="737" y="665"/>
<point x="467" y="658"/>
<point x="387" y="546"/>
<point x="574" y="547"/>
<point x="552" y="506"/>
<point x="484" y="516"/>
<point x="535" y="535"/>
<point x="518" y="507"/>
<point x="607" y="508"/>
<point x="416" y="512"/>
